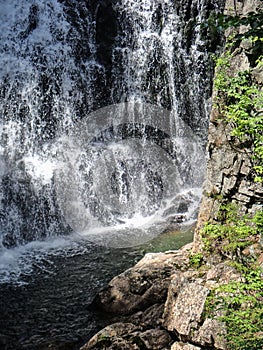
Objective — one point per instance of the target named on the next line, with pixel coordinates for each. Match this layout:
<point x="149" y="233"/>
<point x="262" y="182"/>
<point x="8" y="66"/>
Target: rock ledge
<point x="160" y="304"/>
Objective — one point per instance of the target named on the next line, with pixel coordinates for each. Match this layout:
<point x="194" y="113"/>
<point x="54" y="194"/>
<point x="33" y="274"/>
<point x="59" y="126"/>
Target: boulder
<point x="184" y="306"/>
<point x="122" y="336"/>
<point x="143" y="285"/>
<point x="149" y="318"/>
<point x="211" y="333"/>
<point x="183" y="346"/>
<point x="160" y="304"/>
<point x="110" y="335"/>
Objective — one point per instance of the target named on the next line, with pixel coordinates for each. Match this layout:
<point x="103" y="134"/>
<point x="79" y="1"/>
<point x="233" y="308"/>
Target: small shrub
<point x="241" y="307"/>
<point x="239" y="303"/>
<point x="196" y="260"/>
<point x="240" y="100"/>
<point x="232" y="234"/>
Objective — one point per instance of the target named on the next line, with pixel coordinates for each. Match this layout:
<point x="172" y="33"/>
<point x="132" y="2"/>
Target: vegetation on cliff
<point x="235" y="237"/>
<point x="240" y="99"/>
<point x="239" y="95"/>
<point x="240" y="303"/>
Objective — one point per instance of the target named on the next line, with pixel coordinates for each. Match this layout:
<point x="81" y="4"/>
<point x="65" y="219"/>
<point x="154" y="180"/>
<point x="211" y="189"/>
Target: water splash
<point x="62" y="61"/>
<point x="132" y="169"/>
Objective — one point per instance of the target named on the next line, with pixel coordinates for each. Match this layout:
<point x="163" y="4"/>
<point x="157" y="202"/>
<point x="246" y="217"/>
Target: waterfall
<point x="104" y="112"/>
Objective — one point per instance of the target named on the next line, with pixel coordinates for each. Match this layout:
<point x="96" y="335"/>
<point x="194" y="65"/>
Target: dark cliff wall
<point x="229" y="168"/>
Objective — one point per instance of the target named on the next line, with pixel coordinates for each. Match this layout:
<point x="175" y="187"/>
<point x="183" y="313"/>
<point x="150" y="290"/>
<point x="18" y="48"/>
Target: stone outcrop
<point x="229" y="168"/>
<point x="143" y="285"/>
<point x="123" y="336"/>
<point x="160" y="304"/>
<point x="182" y="346"/>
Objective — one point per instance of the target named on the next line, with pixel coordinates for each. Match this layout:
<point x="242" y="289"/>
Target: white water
<point x="18" y="263"/>
<point x="68" y="165"/>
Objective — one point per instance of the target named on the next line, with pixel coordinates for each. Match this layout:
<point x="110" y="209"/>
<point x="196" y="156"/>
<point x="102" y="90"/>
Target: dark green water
<point x="47" y="305"/>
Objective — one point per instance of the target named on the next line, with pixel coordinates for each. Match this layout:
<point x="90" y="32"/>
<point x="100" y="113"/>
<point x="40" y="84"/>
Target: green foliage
<point x="196" y="260"/>
<point x="253" y="22"/>
<point x="239" y="96"/>
<point x="241" y="307"/>
<point x="233" y="234"/>
<point x="239" y="303"/>
<point x="241" y="101"/>
<point x="258" y="220"/>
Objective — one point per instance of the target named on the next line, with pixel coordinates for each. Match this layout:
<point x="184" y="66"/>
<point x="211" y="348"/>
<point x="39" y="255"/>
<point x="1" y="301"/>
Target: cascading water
<point x="103" y="119"/>
<point x="63" y="60"/>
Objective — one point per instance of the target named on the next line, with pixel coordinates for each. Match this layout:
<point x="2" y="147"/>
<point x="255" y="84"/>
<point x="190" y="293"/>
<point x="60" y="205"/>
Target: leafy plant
<point x="239" y="303"/>
<point x="232" y="234"/>
<point x="196" y="260"/>
<point x="239" y="96"/>
<point x="240" y="100"/>
<point x="253" y="22"/>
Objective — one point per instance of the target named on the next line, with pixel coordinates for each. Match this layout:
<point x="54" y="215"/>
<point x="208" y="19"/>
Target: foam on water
<point x="117" y="175"/>
<point x="17" y="265"/>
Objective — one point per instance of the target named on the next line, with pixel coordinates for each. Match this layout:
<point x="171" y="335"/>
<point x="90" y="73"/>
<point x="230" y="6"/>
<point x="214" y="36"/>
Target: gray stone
<point x="110" y="335"/>
<point x="182" y="313"/>
<point x="228" y="184"/>
<point x="155" y="339"/>
<point x="240" y="62"/>
<point x="258" y="74"/>
<point x="223" y="273"/>
<point x="241" y="198"/>
<point x="244" y="189"/>
<point x="251" y="6"/>
<point x="212" y="332"/>
<point x="245" y="169"/>
<point x="151" y="317"/>
<point x="184" y="308"/>
<point x="123" y="336"/>
<point x="143" y="285"/>
<point x="183" y="346"/>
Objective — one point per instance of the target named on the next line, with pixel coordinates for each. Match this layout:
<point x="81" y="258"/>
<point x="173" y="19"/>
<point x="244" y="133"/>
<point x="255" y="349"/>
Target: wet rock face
<point x="21" y="204"/>
<point x="94" y="27"/>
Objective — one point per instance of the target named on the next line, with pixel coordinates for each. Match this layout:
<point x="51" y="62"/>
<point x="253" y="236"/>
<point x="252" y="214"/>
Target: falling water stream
<point x="104" y="110"/>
